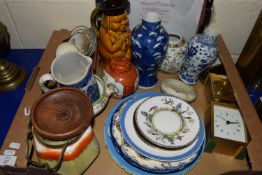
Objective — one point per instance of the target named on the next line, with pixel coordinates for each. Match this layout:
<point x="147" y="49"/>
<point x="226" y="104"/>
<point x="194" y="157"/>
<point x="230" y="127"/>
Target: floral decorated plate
<point x="167" y="122"/>
<point x="135" y="158"/>
<point x="123" y="163"/>
<point x="134" y="140"/>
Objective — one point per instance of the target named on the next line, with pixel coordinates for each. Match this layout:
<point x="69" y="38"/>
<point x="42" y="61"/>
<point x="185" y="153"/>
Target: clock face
<point x="228" y="123"/>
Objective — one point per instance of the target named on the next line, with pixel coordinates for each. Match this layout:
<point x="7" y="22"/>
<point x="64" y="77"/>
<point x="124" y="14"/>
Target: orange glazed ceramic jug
<point x="114" y="33"/>
<point x="122" y="75"/>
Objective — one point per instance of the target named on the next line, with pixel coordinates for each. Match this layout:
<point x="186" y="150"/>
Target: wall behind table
<point x="31" y="22"/>
<point x="234" y="19"/>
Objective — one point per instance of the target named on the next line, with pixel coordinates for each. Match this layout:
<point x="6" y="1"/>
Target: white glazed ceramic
<point x="111" y="80"/>
<point x="105" y="92"/>
<point x="179" y="89"/>
<point x="175" y="54"/>
<point x="65" y="47"/>
<point x="139" y="160"/>
<point x="133" y="139"/>
<point x="127" y="166"/>
<point x="85" y="39"/>
<point x="167" y="122"/>
<point x="72" y="69"/>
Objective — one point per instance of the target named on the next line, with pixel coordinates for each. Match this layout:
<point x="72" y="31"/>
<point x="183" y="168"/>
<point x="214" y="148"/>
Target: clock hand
<point x="227" y="121"/>
<point x="234" y="122"/>
<point x="223" y="118"/>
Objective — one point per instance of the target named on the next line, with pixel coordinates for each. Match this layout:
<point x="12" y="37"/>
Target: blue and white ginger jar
<point x="202" y="51"/>
<point x="149" y="45"/>
<point x="175" y="54"/>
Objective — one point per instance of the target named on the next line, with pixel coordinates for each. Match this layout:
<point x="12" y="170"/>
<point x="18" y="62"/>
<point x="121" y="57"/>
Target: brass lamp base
<point x="11" y="76"/>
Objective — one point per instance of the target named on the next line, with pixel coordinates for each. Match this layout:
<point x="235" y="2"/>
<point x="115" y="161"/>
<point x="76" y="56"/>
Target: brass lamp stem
<point x="11" y="76"/>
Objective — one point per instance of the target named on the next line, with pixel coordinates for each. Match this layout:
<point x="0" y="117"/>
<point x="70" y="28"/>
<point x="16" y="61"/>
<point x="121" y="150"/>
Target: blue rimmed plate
<point x="133" y="139"/>
<point x="138" y="160"/>
<point x="126" y="165"/>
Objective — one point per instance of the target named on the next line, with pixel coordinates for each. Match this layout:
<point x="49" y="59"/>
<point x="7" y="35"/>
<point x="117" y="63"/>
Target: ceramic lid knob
<point x="211" y="32"/>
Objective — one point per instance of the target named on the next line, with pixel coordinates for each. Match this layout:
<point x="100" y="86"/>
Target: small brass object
<point x="221" y="89"/>
<point x="11" y="76"/>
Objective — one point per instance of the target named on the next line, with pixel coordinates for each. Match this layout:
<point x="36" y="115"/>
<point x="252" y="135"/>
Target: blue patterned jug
<point x="202" y="51"/>
<point x="149" y="45"/>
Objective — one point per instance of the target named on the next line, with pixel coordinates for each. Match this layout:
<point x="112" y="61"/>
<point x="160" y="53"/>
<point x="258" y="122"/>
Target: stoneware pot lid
<point x="61" y="114"/>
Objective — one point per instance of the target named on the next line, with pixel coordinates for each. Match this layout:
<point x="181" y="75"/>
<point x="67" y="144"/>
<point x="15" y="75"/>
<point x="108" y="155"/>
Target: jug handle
<point x="93" y="19"/>
<point x="43" y="79"/>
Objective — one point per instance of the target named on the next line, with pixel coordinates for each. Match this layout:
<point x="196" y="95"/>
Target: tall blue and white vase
<point x="202" y="51"/>
<point x="149" y="45"/>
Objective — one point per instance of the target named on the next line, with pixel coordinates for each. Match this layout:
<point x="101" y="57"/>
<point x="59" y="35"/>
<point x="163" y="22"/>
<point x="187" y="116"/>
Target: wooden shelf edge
<point x="245" y="104"/>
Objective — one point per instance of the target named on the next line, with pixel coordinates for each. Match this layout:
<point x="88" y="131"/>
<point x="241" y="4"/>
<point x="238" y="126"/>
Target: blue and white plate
<point x="122" y="162"/>
<point x="135" y="158"/>
<point x="133" y="139"/>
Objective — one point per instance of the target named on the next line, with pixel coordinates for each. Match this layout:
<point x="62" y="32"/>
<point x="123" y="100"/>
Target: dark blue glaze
<point x="89" y="86"/>
<point x="149" y="44"/>
<point x="202" y="52"/>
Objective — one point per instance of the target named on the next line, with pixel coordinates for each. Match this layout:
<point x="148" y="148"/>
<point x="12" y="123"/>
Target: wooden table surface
<point x="209" y="163"/>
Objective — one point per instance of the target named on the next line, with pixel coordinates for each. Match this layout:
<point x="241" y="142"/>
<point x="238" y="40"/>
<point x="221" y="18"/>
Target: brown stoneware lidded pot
<point x="122" y="75"/>
<point x="62" y="133"/>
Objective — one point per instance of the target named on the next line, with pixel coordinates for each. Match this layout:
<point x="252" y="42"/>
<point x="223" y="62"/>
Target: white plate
<point x="131" y="169"/>
<point x="130" y="135"/>
<point x="167" y="122"/>
<point x="136" y="158"/>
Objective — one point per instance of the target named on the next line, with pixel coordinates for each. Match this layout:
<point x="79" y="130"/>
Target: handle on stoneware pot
<point x="93" y="19"/>
<point x="43" y="79"/>
<point x="29" y="150"/>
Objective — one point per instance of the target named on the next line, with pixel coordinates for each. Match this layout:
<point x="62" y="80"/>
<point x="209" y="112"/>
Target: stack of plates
<point x="152" y="133"/>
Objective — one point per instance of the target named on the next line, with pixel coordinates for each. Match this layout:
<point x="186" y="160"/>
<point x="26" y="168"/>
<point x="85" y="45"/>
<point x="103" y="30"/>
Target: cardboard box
<point x="208" y="164"/>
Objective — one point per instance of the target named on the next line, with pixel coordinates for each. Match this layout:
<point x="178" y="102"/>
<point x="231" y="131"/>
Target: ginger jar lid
<point x="61" y="114"/>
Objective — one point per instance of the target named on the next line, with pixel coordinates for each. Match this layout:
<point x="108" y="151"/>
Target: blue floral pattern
<point x="89" y="86"/>
<point x="202" y="51"/>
